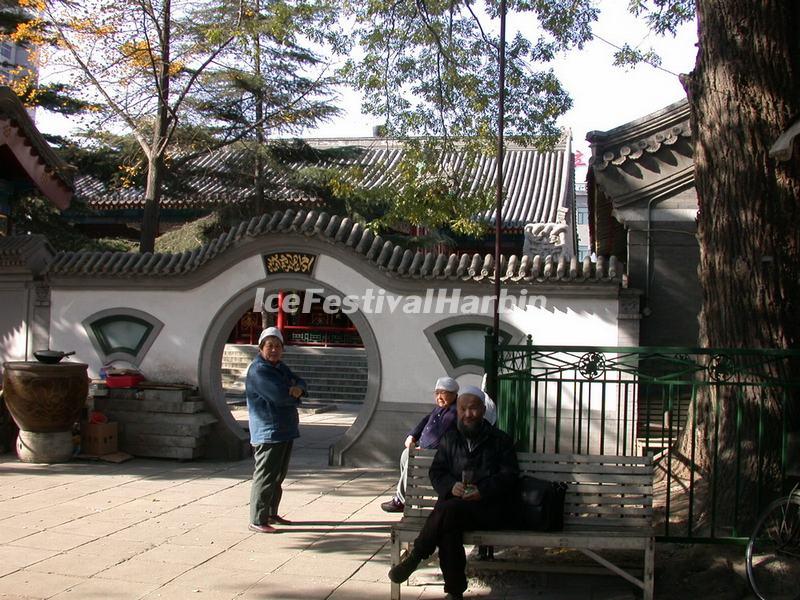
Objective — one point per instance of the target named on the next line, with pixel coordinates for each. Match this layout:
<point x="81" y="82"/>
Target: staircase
<point x="333" y="375"/>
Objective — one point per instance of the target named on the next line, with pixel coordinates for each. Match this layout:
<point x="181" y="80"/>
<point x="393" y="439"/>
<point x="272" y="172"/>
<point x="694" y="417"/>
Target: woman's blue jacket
<point x="272" y="412"/>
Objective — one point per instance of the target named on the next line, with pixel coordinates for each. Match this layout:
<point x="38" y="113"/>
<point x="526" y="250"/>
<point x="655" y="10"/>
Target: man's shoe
<point x="399" y="573"/>
<point x="279" y="520"/>
<point x="261" y="528"/>
<point x="393" y="506"/>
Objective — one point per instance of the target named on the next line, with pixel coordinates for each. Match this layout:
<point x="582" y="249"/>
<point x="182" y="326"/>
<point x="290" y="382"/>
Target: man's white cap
<point x="471" y="390"/>
<point x="448" y="384"/>
<point x="270" y="331"/>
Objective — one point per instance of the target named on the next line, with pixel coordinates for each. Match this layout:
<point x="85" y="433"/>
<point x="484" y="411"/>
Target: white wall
<point x="399" y="390"/>
<point x="410" y="365"/>
<point x="186" y="315"/>
<point x="14" y="303"/>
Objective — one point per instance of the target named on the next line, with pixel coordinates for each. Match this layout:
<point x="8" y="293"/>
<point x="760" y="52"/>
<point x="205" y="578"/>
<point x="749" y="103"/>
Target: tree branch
<point x="99" y="87"/>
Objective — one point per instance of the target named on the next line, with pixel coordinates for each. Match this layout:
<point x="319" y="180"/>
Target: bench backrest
<point x="605" y="492"/>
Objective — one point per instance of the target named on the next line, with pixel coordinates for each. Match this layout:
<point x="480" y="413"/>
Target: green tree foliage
<point x="35" y="215"/>
<point x="139" y="61"/>
<point x="271" y="80"/>
<point x="431" y="69"/>
<point x="20" y="26"/>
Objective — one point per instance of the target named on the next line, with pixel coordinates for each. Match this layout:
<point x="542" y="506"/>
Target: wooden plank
<point x="555" y="540"/>
<point x="583" y="458"/>
<point x="590" y="469"/>
<point x="609" y="498"/>
<point x="608" y="505"/>
<point x="590" y="509"/>
<point x="593" y="488"/>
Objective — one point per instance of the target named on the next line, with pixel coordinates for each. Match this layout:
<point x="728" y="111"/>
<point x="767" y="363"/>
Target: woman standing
<point x="273" y="394"/>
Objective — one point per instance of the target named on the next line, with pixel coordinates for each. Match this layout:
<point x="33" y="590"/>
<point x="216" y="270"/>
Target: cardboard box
<point x="99" y="438"/>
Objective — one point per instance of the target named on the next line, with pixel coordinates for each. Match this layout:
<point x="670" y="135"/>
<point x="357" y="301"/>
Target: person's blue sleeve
<point x="267" y="385"/>
<point x="417" y="431"/>
<point x="296" y="380"/>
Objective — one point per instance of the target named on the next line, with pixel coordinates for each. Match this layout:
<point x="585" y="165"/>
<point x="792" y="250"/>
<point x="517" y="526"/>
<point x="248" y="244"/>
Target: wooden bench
<point x="609" y="506"/>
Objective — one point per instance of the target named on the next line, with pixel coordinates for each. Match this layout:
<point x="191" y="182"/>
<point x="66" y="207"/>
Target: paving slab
<point x="151" y="528"/>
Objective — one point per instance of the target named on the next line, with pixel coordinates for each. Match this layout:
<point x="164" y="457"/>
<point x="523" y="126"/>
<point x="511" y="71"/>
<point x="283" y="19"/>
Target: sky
<point x="603" y="96"/>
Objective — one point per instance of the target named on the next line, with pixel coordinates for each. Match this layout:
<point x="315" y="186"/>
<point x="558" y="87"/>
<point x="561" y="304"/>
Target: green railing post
<point x="490" y="365"/>
<point x="564" y="400"/>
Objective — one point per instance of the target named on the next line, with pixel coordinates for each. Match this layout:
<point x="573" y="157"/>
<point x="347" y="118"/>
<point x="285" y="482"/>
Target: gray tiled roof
<point x="537" y="183"/>
<point x="21" y="250"/>
<point x="395" y="260"/>
<point x="12" y="108"/>
<point x="631" y="164"/>
<point x="640" y="138"/>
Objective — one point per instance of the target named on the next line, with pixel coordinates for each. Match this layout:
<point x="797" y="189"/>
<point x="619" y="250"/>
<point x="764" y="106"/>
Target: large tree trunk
<point x="744" y="91"/>
<point x="155" y="176"/>
<point x="155" y="163"/>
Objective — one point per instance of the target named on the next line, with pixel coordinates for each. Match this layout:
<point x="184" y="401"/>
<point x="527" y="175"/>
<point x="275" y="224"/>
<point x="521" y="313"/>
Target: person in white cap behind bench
<point x="273" y="394"/>
<point x="427" y="434"/>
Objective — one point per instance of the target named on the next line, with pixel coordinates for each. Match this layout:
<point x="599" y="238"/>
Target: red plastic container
<point x="124" y="381"/>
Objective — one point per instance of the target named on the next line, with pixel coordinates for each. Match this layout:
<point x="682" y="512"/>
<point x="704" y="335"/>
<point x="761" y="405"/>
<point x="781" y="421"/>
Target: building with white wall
<point x="420" y="315"/>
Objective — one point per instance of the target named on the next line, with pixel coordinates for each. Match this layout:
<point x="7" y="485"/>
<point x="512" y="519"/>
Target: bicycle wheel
<point x="773" y="552"/>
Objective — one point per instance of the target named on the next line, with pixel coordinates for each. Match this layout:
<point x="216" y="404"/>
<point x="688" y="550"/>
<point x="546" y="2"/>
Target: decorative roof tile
<point x="646" y="135"/>
<point x="28" y="252"/>
<point x="395" y="260"/>
<point x="537" y="183"/>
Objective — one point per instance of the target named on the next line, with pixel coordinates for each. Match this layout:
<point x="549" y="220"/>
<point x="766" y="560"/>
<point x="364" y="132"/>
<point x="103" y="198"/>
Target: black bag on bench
<point x="541" y="506"/>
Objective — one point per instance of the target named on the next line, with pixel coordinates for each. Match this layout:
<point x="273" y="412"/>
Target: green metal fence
<point x="633" y="401"/>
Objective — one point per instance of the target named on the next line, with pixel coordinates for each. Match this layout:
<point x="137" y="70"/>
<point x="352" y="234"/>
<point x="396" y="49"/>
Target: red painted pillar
<point x="280" y="321"/>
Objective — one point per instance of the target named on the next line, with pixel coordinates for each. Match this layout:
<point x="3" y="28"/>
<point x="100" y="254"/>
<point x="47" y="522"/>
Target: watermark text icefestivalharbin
<point x="374" y="301"/>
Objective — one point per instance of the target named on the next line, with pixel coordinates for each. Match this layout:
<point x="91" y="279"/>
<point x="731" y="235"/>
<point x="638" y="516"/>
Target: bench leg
<point x="395" y="587"/>
<point x="649" y="569"/>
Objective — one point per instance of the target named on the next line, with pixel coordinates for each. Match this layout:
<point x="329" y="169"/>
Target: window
<point x="465" y="344"/>
<point x="583" y="215"/>
<point x="460" y="342"/>
<point x="122" y="333"/>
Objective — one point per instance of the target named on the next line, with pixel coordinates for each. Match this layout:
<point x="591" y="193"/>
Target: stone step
<point x="161" y="406"/>
<point x="130" y="438"/>
<point x="154" y="428"/>
<point x="312" y="384"/>
<point x="240" y="400"/>
<point x="173" y="452"/>
<point x="325" y="358"/>
<point x="188" y="422"/>
<point x="332" y="374"/>
<point x="321" y="368"/>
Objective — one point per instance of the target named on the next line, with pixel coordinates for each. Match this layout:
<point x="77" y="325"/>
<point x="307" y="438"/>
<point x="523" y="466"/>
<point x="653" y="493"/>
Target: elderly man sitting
<point x="475" y="473"/>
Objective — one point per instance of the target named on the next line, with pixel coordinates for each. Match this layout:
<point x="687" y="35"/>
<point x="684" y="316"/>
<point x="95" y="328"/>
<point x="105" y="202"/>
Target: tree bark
<point x="744" y="92"/>
<point x="155" y="163"/>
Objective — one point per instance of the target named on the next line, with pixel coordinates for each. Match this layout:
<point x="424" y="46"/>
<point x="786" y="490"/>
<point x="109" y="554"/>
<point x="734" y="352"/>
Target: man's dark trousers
<point x="271" y="467"/>
<point x="444" y="528"/>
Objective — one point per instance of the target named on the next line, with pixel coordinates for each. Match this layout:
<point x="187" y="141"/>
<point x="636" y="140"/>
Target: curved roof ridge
<point x="644" y="135"/>
<point x="394" y="260"/>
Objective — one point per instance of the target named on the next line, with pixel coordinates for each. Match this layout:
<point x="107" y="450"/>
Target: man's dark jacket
<point x="493" y="461"/>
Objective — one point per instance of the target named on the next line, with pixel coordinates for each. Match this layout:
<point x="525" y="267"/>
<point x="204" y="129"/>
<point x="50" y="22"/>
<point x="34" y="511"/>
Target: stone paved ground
<point x="168" y="529"/>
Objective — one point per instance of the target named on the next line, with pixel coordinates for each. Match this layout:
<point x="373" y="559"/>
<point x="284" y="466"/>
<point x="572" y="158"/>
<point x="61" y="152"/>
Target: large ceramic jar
<point x="45" y="401"/>
<point x="45" y="398"/>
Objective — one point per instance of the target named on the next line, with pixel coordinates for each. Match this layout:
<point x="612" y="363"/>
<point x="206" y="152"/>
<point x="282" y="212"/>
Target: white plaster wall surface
<point x="13" y="305"/>
<point x="186" y="315"/>
<point x="410" y="366"/>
